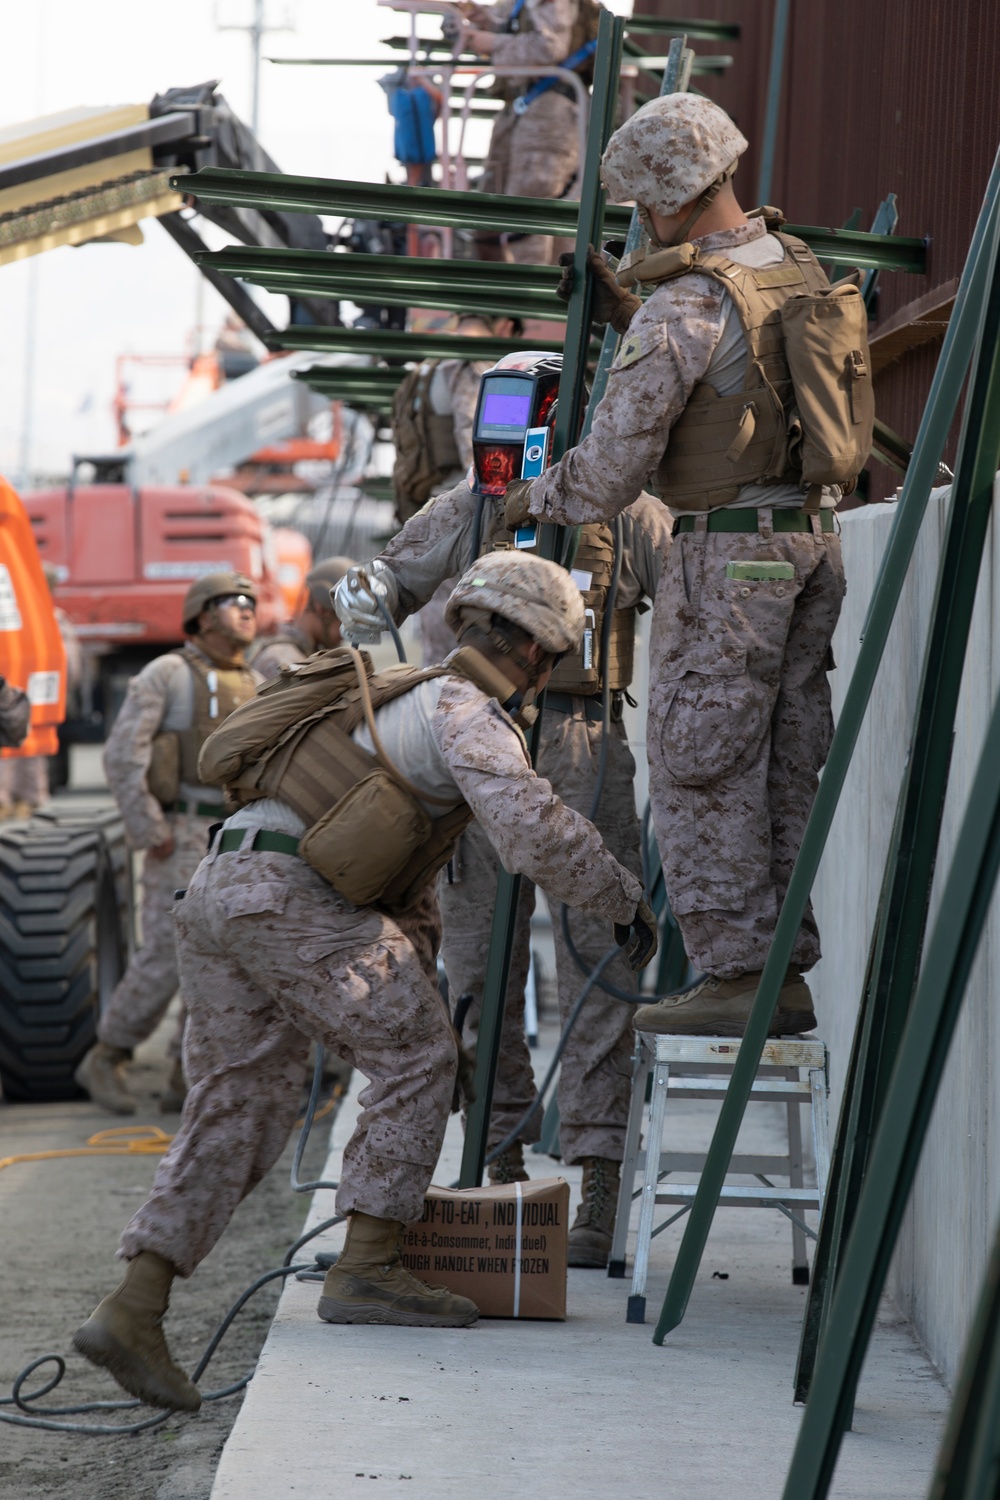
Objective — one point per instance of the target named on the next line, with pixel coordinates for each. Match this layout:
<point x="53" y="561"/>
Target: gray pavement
<point x="589" y="1407"/>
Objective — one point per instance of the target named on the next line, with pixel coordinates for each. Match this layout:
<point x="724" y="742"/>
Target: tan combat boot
<point x="721" y="1007"/>
<point x="590" y="1236"/>
<point x="125" y="1337"/>
<point x="173" y="1096"/>
<point x="370" y="1284"/>
<point x="102" y="1076"/>
<point x="509" y="1166"/>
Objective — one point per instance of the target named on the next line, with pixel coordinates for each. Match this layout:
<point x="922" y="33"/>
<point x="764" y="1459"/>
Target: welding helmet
<point x="517" y="395"/>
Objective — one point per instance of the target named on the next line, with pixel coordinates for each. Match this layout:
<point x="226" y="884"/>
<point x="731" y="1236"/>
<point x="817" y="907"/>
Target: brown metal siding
<point x="879" y="96"/>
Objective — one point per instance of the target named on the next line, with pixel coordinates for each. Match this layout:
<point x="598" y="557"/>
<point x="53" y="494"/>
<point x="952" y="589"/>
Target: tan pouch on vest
<point x="366" y="840"/>
<point x="826" y="346"/>
<point x="163" y="776"/>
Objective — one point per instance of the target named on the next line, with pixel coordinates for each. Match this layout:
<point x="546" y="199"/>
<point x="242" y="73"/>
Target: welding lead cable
<point x="391" y="627"/>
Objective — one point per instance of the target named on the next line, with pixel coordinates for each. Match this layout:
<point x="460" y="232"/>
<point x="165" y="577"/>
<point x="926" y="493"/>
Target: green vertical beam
<point x="968" y="1465"/>
<point x="942" y="402"/>
<point x="769" y="140"/>
<point x="607" y="66"/>
<point x="930" y="1026"/>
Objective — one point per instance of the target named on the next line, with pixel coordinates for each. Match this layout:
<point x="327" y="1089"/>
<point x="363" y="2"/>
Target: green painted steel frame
<point x="571" y="395"/>
<point x="927" y="1026"/>
<point x="448" y="207"/>
<point x="968" y="1466"/>
<point x="389" y="343"/>
<point x="960" y="339"/>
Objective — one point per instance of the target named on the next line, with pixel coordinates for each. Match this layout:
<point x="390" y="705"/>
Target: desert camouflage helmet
<point x="670" y="151"/>
<point x="535" y="594"/>
<point x="213" y="586"/>
<point x="323" y="578"/>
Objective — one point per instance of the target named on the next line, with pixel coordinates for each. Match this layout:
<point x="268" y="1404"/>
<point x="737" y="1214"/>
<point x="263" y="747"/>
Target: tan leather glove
<point x="611" y="303"/>
<point x="515" y="503"/>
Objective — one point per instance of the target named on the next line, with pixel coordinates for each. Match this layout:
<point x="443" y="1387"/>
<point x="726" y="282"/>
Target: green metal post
<point x="968" y="1465"/>
<point x="769" y="138"/>
<point x="934" y="1014"/>
<point x="571" y="392"/>
<point x="935" y="423"/>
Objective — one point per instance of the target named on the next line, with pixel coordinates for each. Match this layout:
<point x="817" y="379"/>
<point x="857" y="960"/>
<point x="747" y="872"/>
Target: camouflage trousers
<point x="739" y="727"/>
<point x="594" y="1080"/>
<point x="534" y="155"/>
<point x="271" y="958"/>
<point x="150" y="982"/>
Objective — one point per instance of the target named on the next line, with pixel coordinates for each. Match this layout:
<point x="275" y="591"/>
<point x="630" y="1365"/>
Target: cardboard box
<point x="503" y="1246"/>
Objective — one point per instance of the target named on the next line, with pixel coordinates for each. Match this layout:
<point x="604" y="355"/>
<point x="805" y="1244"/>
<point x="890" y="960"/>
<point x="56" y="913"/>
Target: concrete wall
<point x="955" y="1203"/>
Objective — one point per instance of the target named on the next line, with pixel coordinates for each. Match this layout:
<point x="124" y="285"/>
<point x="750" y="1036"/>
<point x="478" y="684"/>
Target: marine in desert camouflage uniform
<point x="595" y="1071"/>
<point x="315" y="627"/>
<point x="739" y="714"/>
<point x="175" y="701"/>
<point x="272" y="956"/>
<point x="534" y="154"/>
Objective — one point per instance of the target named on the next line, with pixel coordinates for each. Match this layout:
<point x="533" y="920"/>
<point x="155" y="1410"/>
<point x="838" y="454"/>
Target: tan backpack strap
<point x="471" y="664"/>
<point x="380" y="754"/>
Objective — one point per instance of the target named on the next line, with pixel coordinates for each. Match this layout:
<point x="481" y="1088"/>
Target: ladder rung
<point x="742" y="1197"/>
<point x="775" y="1090"/>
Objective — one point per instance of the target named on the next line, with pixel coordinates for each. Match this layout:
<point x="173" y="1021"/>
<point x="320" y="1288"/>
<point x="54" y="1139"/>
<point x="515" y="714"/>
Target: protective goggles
<point x="241" y="601"/>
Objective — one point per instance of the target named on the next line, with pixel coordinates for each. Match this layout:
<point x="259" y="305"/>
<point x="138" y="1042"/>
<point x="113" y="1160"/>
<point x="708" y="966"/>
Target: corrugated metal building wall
<point x="895" y="96"/>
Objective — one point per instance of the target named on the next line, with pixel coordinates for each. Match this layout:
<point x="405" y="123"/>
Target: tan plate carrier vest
<point x="367" y="831"/>
<point x="594" y="555"/>
<point x="721" y="443"/>
<point x="174" y="753"/>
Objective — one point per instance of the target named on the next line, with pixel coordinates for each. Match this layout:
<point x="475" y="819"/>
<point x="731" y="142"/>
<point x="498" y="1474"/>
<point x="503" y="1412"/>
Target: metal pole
<point x="934" y="426"/>
<point x="934" y="1014"/>
<point x="256" y="32"/>
<point x="774" y="83"/>
<point x="571" y="390"/>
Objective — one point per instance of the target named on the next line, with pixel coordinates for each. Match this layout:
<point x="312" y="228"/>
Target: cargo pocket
<point x="253" y="900"/>
<point x="714" y="714"/>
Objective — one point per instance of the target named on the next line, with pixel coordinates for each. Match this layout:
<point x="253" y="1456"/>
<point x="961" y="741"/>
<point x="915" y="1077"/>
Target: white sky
<point x="102" y="300"/>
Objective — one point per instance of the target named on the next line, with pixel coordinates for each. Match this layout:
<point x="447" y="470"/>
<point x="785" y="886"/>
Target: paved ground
<point x="585" y="1408"/>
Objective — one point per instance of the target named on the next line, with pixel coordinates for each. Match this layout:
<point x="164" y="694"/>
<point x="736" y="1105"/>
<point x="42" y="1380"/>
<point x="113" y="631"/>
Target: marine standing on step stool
<point x="535" y="146"/>
<point x="366" y="778"/>
<point x="151" y="762"/>
<point x="596" y="1069"/>
<point x="743" y="447"/>
<point x="315" y="627"/>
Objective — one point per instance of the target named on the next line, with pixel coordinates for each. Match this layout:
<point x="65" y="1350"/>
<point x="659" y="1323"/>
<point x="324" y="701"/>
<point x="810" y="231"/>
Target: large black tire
<point x="65" y="927"/>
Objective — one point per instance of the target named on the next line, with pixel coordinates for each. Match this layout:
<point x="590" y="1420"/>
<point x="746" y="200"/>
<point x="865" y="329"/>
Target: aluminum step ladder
<point x="793" y="1072"/>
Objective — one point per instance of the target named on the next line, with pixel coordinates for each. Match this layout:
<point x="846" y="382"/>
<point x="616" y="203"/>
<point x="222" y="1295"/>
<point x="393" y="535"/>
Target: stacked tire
<point x="65" y="930"/>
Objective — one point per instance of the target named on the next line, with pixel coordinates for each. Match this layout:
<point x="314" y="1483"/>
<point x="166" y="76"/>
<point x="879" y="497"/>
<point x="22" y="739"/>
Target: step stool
<point x="699" y="1067"/>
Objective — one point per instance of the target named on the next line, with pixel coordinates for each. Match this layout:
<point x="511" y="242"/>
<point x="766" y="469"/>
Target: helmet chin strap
<point x="683" y="234"/>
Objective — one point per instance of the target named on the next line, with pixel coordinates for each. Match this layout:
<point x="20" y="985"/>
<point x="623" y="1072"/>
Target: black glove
<point x="464" y="1093"/>
<point x="640" y="937"/>
<point x="611" y="303"/>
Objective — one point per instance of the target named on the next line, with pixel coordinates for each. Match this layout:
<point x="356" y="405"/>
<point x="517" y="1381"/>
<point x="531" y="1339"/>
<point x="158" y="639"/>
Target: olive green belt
<point x="746" y="520"/>
<point x="202" y="809"/>
<point x="263" y="839"/>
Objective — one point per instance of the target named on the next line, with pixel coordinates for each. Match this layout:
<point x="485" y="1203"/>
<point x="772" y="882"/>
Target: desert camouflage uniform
<point x="271" y="956"/>
<point x="594" y="1079"/>
<point x="454" y="389"/>
<point x="535" y="154"/>
<point x="289" y="647"/>
<point x="160" y="697"/>
<point x="15" y="714"/>
<point x="739" y="712"/>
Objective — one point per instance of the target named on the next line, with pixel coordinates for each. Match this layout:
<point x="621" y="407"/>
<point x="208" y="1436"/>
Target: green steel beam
<point x="968" y="1463"/>
<point x="388" y="343"/>
<point x="707" y="31"/>
<point x="571" y="395"/>
<point x="897" y="1121"/>
<point x="492" y="211"/>
<point x="700" y="66"/>
<point x="956" y="352"/>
